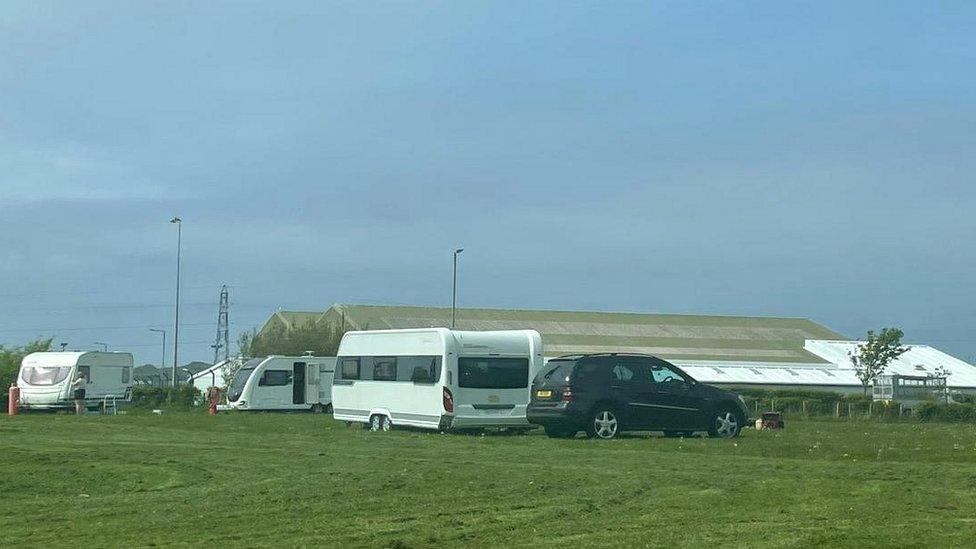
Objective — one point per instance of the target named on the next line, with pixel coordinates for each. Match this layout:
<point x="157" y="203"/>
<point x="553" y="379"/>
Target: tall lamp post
<point x="104" y="345"/>
<point x="162" y="362"/>
<point x="176" y="328"/>
<point x="457" y="252"/>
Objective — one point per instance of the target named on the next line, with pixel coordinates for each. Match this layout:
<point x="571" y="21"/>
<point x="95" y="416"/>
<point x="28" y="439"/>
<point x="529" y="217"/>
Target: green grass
<point x="299" y="479"/>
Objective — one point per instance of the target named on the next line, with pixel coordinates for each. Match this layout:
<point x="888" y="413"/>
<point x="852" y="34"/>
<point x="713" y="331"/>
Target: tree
<point x="874" y="355"/>
<point x="244" y="344"/>
<point x="321" y="338"/>
<point x="942" y="392"/>
<point x="10" y="358"/>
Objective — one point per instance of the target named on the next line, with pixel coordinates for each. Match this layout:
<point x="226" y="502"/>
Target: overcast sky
<point x="781" y="160"/>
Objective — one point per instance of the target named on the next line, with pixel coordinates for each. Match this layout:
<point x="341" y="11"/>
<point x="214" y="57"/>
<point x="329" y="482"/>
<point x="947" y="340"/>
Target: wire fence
<point x="837" y="409"/>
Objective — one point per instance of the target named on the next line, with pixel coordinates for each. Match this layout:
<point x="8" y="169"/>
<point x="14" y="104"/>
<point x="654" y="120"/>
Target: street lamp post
<point x="104" y="345"/>
<point x="176" y="328"/>
<point x="457" y="252"/>
<point x="162" y="363"/>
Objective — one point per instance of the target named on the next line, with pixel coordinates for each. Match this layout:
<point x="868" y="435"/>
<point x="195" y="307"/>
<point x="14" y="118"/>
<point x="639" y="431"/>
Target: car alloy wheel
<point x="605" y="424"/>
<point x="726" y="424"/>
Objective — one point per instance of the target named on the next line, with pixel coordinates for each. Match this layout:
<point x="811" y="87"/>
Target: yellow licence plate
<point x="543" y="394"/>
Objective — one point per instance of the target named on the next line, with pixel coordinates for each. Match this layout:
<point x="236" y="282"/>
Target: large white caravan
<point x="436" y="378"/>
<point x="283" y="383"/>
<point x="45" y="378"/>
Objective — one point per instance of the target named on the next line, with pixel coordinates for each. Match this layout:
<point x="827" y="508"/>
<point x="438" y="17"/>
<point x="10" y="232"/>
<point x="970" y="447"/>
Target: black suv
<point x="605" y="394"/>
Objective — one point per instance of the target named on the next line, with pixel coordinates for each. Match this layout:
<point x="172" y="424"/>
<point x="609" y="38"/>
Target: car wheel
<point x="559" y="432"/>
<point x="726" y="423"/>
<point x="376" y="422"/>
<point x="603" y="423"/>
<point x="385" y="423"/>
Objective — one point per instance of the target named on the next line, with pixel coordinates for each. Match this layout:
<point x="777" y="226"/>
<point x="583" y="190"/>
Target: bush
<point x="147" y="396"/>
<point x="930" y="411"/>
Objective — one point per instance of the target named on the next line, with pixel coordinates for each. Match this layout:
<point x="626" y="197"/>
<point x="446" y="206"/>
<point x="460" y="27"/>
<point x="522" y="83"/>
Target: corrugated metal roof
<point x="768" y="373"/>
<point x="918" y="360"/>
<point x="671" y="336"/>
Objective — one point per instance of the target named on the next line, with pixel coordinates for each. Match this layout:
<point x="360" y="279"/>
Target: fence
<point x="840" y="408"/>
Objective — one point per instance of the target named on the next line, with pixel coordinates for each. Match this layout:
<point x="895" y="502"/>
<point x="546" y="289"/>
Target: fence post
<point x="850" y="409"/>
<point x="901" y="409"/>
<point x="870" y="408"/>
<point x="837" y="410"/>
<point x="803" y="407"/>
<point x="772" y="406"/>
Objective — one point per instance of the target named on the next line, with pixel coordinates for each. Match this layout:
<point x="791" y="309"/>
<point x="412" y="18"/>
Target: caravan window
<point x="385" y="369"/>
<point x="275" y="378"/>
<point x="493" y="373"/>
<point x="422" y="369"/>
<point x="125" y="374"/>
<point x="240" y="379"/>
<point x="349" y="368"/>
<point x="44" y="375"/>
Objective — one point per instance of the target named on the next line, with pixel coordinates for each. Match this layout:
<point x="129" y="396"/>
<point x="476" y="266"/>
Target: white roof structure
<point x="919" y="360"/>
<point x="787" y="374"/>
<point x="836" y="373"/>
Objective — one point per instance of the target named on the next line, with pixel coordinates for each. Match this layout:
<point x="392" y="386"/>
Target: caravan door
<point x="298" y="383"/>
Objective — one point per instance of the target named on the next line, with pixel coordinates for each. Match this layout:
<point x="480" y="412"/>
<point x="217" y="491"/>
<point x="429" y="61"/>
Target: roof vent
<point x="755" y="371"/>
<point x="920" y="368"/>
<point x="791" y="371"/>
<point x="719" y="370"/>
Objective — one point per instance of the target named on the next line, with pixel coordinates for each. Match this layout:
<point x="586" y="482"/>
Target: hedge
<point x="930" y="411"/>
<point x="148" y="396"/>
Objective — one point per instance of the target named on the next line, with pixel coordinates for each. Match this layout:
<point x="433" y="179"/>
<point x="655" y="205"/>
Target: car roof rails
<point x="588" y="355"/>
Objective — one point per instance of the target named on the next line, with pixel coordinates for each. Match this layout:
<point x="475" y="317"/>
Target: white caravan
<point x="436" y="378"/>
<point x="283" y="383"/>
<point x="45" y="378"/>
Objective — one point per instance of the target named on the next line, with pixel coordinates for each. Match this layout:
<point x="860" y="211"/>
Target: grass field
<point x="300" y="479"/>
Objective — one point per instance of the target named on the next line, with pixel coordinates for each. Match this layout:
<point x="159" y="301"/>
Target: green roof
<point x="671" y="336"/>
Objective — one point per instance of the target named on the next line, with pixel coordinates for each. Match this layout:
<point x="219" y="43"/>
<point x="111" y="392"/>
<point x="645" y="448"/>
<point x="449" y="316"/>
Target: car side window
<point x="623" y="372"/>
<point x="661" y="373"/>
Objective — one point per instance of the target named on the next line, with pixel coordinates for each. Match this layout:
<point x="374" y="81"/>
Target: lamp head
<point x="459" y="250"/>
<point x="176" y="220"/>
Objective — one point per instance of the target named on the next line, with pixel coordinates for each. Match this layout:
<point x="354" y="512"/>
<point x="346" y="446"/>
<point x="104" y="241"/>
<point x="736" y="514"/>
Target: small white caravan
<point x="45" y="378"/>
<point x="436" y="378"/>
<point x="283" y="383"/>
<point x="214" y="376"/>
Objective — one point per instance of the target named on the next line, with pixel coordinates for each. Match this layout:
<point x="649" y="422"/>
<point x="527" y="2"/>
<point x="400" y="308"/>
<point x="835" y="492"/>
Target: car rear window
<point x="555" y="373"/>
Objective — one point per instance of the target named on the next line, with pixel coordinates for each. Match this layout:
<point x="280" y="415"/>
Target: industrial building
<point x="731" y="351"/>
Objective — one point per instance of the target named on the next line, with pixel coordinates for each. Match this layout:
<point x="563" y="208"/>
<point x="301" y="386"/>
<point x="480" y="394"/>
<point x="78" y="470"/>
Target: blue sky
<point x="781" y="159"/>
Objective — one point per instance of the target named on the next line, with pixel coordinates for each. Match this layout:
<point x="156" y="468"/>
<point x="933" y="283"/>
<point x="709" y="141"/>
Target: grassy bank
<point x="301" y="479"/>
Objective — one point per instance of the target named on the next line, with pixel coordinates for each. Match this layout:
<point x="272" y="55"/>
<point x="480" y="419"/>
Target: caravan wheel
<point x="379" y="423"/>
<point x="317" y="409"/>
<point x="386" y="423"/>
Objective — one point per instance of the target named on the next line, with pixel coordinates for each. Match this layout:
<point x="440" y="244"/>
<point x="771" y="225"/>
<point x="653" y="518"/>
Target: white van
<point x="45" y="378"/>
<point x="436" y="378"/>
<point x="283" y="383"/>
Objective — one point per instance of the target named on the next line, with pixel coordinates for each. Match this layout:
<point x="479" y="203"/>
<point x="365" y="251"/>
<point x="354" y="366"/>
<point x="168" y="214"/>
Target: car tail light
<point x="567" y="395"/>
<point x="448" y="400"/>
